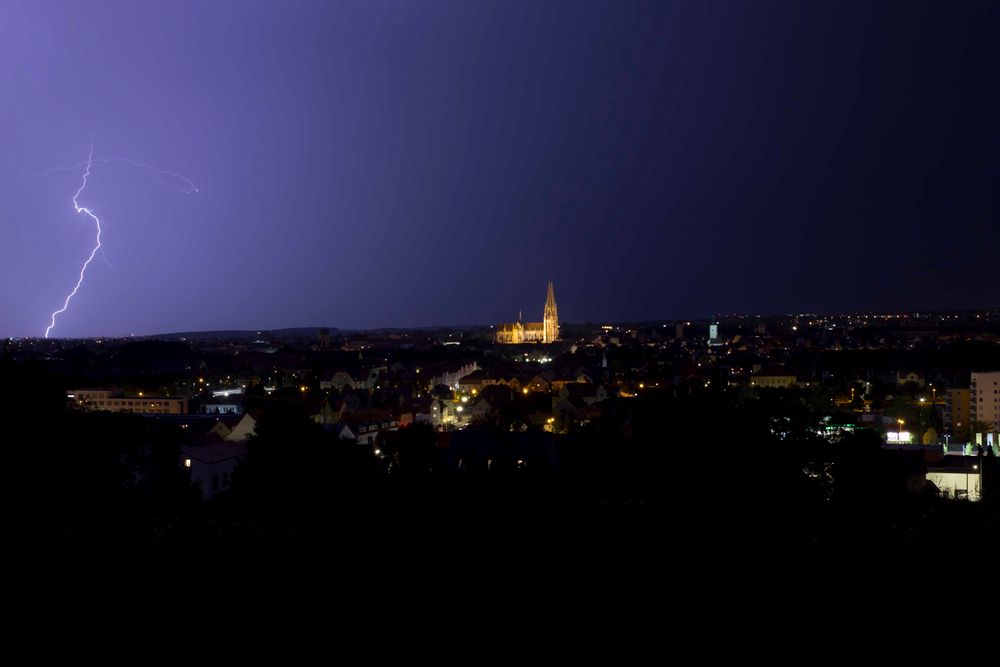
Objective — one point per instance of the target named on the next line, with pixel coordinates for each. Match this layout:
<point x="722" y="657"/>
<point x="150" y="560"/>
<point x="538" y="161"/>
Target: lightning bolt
<point x="170" y="179"/>
<point x="179" y="183"/>
<point x="97" y="221"/>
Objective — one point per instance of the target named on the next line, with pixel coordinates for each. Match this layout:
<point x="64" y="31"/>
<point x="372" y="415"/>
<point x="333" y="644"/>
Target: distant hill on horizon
<point x="299" y="332"/>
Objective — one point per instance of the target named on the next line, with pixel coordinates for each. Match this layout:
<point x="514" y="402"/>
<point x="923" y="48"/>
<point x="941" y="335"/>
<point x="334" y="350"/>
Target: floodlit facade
<point x="546" y="331"/>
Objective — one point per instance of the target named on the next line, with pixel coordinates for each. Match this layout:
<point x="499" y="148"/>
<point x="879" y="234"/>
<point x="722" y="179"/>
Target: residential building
<point x="365" y="424"/>
<point x="773" y="378"/>
<point x="114" y="400"/>
<point x="453" y="373"/>
<point x="984" y="399"/>
<point x="212" y="464"/>
<point x="905" y="377"/>
<point x="243" y="429"/>
<point x="957" y="411"/>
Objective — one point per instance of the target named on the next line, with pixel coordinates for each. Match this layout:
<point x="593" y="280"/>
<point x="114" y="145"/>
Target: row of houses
<point x="214" y="452"/>
<point x="534" y="381"/>
<point x="369" y="377"/>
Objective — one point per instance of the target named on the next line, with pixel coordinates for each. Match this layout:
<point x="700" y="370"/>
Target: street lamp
<point x="899" y="438"/>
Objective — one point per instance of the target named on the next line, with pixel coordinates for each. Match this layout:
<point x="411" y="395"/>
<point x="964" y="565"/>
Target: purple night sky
<point x="422" y="162"/>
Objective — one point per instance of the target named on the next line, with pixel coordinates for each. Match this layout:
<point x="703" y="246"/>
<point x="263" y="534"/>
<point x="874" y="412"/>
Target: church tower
<point x="550" y="319"/>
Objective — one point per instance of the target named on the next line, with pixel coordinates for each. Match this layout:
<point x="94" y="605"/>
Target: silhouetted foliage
<point x="413" y="450"/>
<point x="865" y="473"/>
<point x="717" y="485"/>
<point x="291" y="459"/>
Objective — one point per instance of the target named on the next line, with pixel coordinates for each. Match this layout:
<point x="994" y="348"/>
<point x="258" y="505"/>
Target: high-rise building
<point x="984" y="399"/>
<point x="957" y="411"/>
<point x="546" y="331"/>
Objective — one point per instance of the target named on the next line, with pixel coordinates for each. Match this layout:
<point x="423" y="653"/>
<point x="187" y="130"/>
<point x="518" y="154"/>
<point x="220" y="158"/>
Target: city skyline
<point x="395" y="164"/>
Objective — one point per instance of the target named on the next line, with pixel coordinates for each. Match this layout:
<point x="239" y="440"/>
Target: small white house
<point x="243" y="429"/>
<point x="212" y="465"/>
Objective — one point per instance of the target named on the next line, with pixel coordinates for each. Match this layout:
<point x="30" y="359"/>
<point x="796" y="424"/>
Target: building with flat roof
<point x="115" y="400"/>
<point x="773" y="378"/>
<point x="957" y="411"/>
<point x="984" y="399"/>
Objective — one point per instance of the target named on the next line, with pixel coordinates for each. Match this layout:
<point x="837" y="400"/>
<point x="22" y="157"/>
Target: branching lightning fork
<point x="170" y="179"/>
<point x="179" y="183"/>
<point x="83" y="269"/>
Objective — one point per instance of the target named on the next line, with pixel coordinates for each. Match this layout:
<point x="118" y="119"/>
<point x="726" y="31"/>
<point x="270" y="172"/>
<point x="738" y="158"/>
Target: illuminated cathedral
<point x="546" y="331"/>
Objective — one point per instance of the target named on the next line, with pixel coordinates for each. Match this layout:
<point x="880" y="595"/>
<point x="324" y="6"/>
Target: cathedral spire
<point x="550" y="317"/>
<point x="546" y="331"/>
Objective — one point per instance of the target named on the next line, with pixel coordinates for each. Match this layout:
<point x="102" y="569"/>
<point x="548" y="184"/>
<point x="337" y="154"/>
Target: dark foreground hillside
<point x="650" y="513"/>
